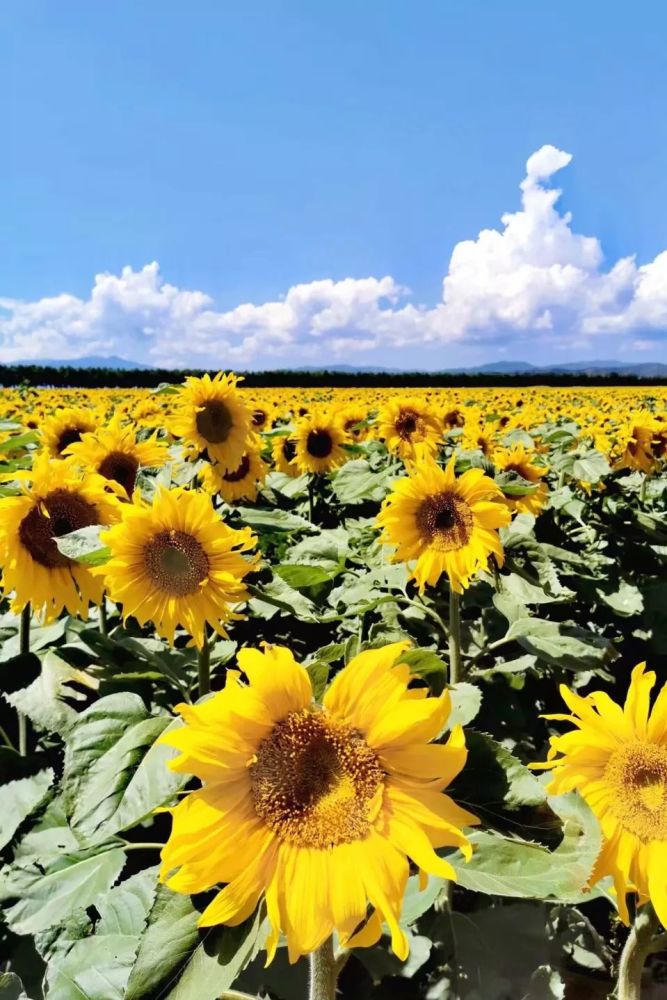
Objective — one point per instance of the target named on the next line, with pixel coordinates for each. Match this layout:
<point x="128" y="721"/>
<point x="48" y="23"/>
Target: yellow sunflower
<point x="57" y="500"/>
<point x="64" y="428"/>
<point x="317" y="809"/>
<point x="318" y="438"/>
<point x="238" y="484"/>
<point x="213" y="418"/>
<point x="115" y="453"/>
<point x="616" y="758"/>
<point x="283" y="452"/>
<point x="354" y="420"/>
<point x="444" y="524"/>
<point x="175" y="562"/>
<point x="520" y="460"/>
<point x="409" y="428"/>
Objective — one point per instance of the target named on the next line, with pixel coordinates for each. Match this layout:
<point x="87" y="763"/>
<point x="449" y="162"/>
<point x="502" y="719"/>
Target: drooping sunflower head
<point x="237" y="484"/>
<point x="56" y="501"/>
<point x="355" y="423"/>
<point x="318" y="439"/>
<point x="444" y="524"/>
<point x="64" y="428"/>
<point x="115" y="453"/>
<point x="317" y="809"/>
<point x="409" y="427"/>
<point x="175" y="562"/>
<point x="213" y="418"/>
<point x="616" y="758"/>
<point x="283" y="452"/>
<point x="520" y="460"/>
<point x="640" y="443"/>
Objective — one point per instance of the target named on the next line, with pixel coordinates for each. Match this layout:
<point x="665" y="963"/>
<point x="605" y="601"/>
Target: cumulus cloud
<point x="534" y="280"/>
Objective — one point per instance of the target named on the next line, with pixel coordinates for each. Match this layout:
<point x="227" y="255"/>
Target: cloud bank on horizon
<point x="535" y="283"/>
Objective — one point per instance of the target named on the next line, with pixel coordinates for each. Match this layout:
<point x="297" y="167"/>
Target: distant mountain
<point x="645" y="369"/>
<point x="92" y="361"/>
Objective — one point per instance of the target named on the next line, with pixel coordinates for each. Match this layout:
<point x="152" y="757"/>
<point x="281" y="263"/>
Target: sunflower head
<point x="56" y="501"/>
<point x="409" y="428"/>
<point x="316" y="808"/>
<point x="283" y="452"/>
<point x="175" y="562"/>
<point x="444" y="524"/>
<point x="520" y="460"/>
<point x="319" y="438"/>
<point x="212" y="418"/>
<point x="616" y="758"/>
<point x="240" y="483"/>
<point x="65" y="428"/>
<point x="115" y="453"/>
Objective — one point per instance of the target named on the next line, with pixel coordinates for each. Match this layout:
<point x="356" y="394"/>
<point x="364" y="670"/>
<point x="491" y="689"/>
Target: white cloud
<point x="533" y="281"/>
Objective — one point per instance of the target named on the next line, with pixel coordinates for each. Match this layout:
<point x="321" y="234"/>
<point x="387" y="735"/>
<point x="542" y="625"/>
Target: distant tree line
<point x="111" y="378"/>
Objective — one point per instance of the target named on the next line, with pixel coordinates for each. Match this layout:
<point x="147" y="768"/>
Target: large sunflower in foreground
<point x="212" y="418"/>
<point x="115" y="453"/>
<point x="56" y="500"/>
<point x="317" y="809"/>
<point x="409" y="428"/>
<point x="318" y="439"/>
<point x="175" y="562"/>
<point x="444" y="524"/>
<point x="616" y="758"/>
<point x="64" y="428"/>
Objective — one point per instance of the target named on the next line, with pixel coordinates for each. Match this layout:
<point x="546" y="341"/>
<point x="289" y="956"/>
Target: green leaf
<point x="591" y="467"/>
<point x="514" y="485"/>
<point x="562" y="645"/>
<point x="45" y="895"/>
<point x="274" y="520"/>
<point x="466" y="703"/>
<point x="115" y="774"/>
<point x="318" y="672"/>
<point x="356" y="482"/>
<point x="427" y="664"/>
<point x="502" y="866"/>
<point x="625" y="601"/>
<point x="43" y="700"/>
<point x="18" y="799"/>
<point x="493" y="780"/>
<point x="171" y="933"/>
<point x="218" y="959"/>
<point x="84" y="545"/>
<point x="302" y="577"/>
<point x="11" y="987"/>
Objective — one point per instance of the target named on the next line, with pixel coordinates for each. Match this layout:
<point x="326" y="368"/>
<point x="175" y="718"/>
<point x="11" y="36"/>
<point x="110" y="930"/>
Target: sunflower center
<point x="406" y="424"/>
<point x="214" y="421"/>
<point x="259" y="418"/>
<point x="638" y="774"/>
<point x="176" y="562"/>
<point x="319" y="444"/>
<point x="316" y="782"/>
<point x="445" y="521"/>
<point x="60" y="512"/>
<point x="121" y="468"/>
<point x="454" y="418"/>
<point x="69" y="436"/>
<point x="238" y="474"/>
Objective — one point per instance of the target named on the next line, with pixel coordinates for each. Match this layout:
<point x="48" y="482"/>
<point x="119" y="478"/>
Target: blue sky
<point x="286" y="182"/>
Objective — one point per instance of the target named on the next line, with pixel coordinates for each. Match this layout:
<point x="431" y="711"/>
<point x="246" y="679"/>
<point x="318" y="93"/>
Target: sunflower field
<point x="335" y="693"/>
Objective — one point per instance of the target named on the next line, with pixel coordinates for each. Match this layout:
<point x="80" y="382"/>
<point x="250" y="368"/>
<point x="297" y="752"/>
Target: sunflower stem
<point x="636" y="950"/>
<point x="104" y="626"/>
<point x="311" y="498"/>
<point x="24" y="648"/>
<point x="642" y="489"/>
<point x="204" y="668"/>
<point x="323" y="972"/>
<point x="455" y="666"/>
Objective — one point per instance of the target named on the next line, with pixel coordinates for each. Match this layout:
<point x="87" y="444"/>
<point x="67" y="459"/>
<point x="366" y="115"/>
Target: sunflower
<point x="447" y="525"/>
<point x="175" y="562"/>
<point x="641" y="443"/>
<point x="355" y="423"/>
<point x="239" y="484"/>
<point x="616" y="758"/>
<point x="213" y="418"/>
<point x="57" y="500"/>
<point x="283" y="452"/>
<point x="64" y="428"/>
<point x="318" y="438"/>
<point x="478" y="435"/>
<point x="115" y="453"/>
<point x="409" y="428"/>
<point x="317" y="809"/>
<point x="520" y="460"/>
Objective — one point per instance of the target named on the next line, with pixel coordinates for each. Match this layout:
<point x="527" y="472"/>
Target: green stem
<point x="455" y="666"/>
<point x="642" y="489"/>
<point x="204" y="668"/>
<point x="129" y="846"/>
<point x="24" y="648"/>
<point x="311" y="498"/>
<point x="104" y="627"/>
<point x="323" y="972"/>
<point x="4" y="735"/>
<point x="637" y="948"/>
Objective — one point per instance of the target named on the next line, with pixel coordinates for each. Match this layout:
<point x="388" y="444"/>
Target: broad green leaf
<point x="356" y="482"/>
<point x="171" y="933"/>
<point x="303" y="577"/>
<point x="566" y="646"/>
<point x="45" y="894"/>
<point x="18" y="799"/>
<point x="115" y="774"/>
<point x="43" y="700"/>
<point x="95" y="968"/>
<point x="493" y="780"/>
<point x="274" y="520"/>
<point x="466" y="703"/>
<point x="84" y="546"/>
